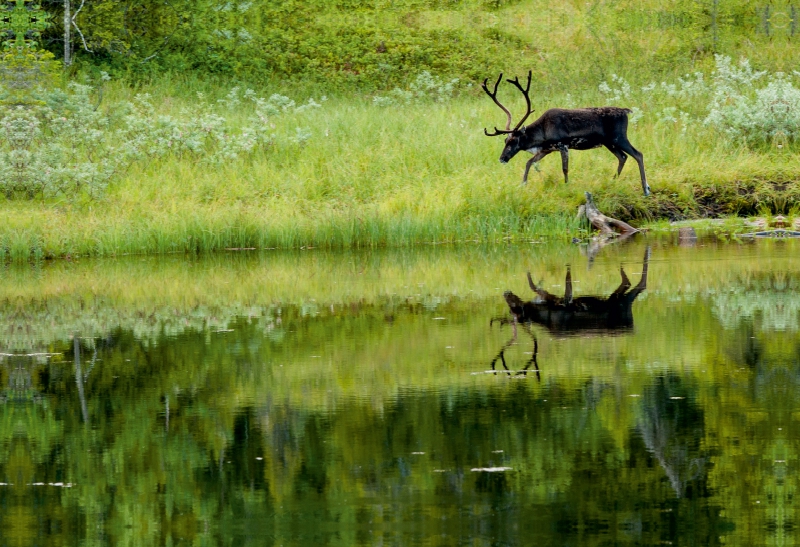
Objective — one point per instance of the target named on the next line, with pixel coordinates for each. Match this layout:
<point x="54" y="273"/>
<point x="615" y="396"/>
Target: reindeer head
<point x="514" y="136"/>
<point x="513" y="145"/>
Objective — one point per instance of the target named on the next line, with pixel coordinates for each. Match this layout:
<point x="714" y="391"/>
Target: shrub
<point x="425" y="87"/>
<point x="55" y="148"/>
<point x="756" y="115"/>
<point x="746" y="105"/>
<point x="67" y="146"/>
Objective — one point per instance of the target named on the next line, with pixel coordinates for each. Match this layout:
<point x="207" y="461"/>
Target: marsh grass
<point x="371" y="176"/>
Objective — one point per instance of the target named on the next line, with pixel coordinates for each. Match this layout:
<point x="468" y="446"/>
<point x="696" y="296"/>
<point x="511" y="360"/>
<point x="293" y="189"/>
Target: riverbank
<point x="365" y="175"/>
<point x="31" y="232"/>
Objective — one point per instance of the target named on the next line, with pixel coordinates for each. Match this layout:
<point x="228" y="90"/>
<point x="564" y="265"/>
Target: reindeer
<point x="583" y="315"/>
<point x="561" y="129"/>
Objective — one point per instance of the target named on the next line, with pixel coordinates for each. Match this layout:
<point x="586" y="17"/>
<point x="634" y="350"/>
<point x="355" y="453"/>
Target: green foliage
<point x="758" y="108"/>
<point x="347" y="172"/>
<point x="424" y="88"/>
<point x="351" y="174"/>
<point x="369" y="45"/>
<point x="55" y="149"/>
<point x="24" y="72"/>
<point x="376" y="176"/>
<point x="758" y="115"/>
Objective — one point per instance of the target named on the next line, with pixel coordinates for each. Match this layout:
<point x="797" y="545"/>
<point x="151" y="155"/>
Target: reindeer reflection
<point x="501" y="354"/>
<point x="572" y="315"/>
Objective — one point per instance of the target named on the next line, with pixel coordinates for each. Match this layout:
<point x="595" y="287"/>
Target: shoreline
<point x="96" y="240"/>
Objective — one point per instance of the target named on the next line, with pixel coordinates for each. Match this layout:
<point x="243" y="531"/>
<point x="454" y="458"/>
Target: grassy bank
<point x="371" y="176"/>
<point x="407" y="169"/>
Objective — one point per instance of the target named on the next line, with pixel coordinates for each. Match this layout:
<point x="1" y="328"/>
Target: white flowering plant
<point x="745" y="105"/>
<point x="753" y="113"/>
<point x="425" y="88"/>
<point x="65" y="145"/>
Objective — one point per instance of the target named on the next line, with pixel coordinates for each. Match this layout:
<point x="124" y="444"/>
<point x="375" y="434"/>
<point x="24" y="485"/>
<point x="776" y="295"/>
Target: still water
<point x="386" y="398"/>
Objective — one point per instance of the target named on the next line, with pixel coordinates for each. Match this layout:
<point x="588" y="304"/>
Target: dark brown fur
<point x="584" y="313"/>
<point x="560" y="129"/>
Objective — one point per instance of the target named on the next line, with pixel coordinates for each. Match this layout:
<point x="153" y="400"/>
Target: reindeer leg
<point x="501" y="320"/>
<point x="533" y="360"/>
<point x="621" y="156"/>
<point x="501" y="354"/>
<point x="624" y="285"/>
<point x="629" y="149"/>
<point x="642" y="285"/>
<point x="568" y="288"/>
<point x="501" y="357"/>
<point x="536" y="157"/>
<point x="564" y="161"/>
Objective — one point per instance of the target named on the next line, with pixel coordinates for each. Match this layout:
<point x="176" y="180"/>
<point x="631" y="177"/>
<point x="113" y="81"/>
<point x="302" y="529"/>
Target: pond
<point x="387" y="398"/>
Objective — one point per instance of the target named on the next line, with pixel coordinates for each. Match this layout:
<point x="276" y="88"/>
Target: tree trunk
<point x="79" y="378"/>
<point x="67" y="40"/>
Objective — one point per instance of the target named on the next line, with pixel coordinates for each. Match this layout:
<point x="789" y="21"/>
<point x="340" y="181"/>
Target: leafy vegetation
<point x="351" y="173"/>
<point x="372" y="45"/>
<point x="67" y="147"/>
<point x="731" y="100"/>
<point x="180" y="156"/>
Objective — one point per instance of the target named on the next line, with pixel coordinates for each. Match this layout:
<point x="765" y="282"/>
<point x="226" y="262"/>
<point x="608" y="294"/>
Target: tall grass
<point x="373" y="176"/>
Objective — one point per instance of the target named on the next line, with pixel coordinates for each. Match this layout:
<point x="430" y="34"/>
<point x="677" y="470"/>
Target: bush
<point x="55" y="148"/>
<point x="746" y="105"/>
<point x="425" y="87"/>
<point x="757" y="115"/>
<point x="67" y="146"/>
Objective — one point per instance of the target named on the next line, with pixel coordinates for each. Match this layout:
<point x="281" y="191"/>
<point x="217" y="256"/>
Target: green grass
<point x="425" y="173"/>
<point x="373" y="177"/>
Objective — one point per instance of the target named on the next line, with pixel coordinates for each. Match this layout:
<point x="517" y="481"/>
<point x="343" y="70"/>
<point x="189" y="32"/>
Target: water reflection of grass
<point x="325" y="418"/>
<point x="295" y="298"/>
<point x="296" y="277"/>
<point x="285" y="308"/>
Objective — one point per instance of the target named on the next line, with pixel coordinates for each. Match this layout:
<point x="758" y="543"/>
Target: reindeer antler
<point x="493" y="95"/>
<point x="525" y="91"/>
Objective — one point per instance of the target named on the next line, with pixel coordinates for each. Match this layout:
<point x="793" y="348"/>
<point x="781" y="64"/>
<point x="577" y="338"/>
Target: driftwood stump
<point x="606" y="226"/>
<point x="604" y="223"/>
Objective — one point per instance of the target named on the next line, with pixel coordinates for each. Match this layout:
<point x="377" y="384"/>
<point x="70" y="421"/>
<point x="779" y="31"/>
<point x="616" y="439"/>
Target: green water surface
<point x="314" y="398"/>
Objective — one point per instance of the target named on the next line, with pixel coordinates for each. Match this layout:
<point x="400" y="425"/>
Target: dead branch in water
<point x="604" y="223"/>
